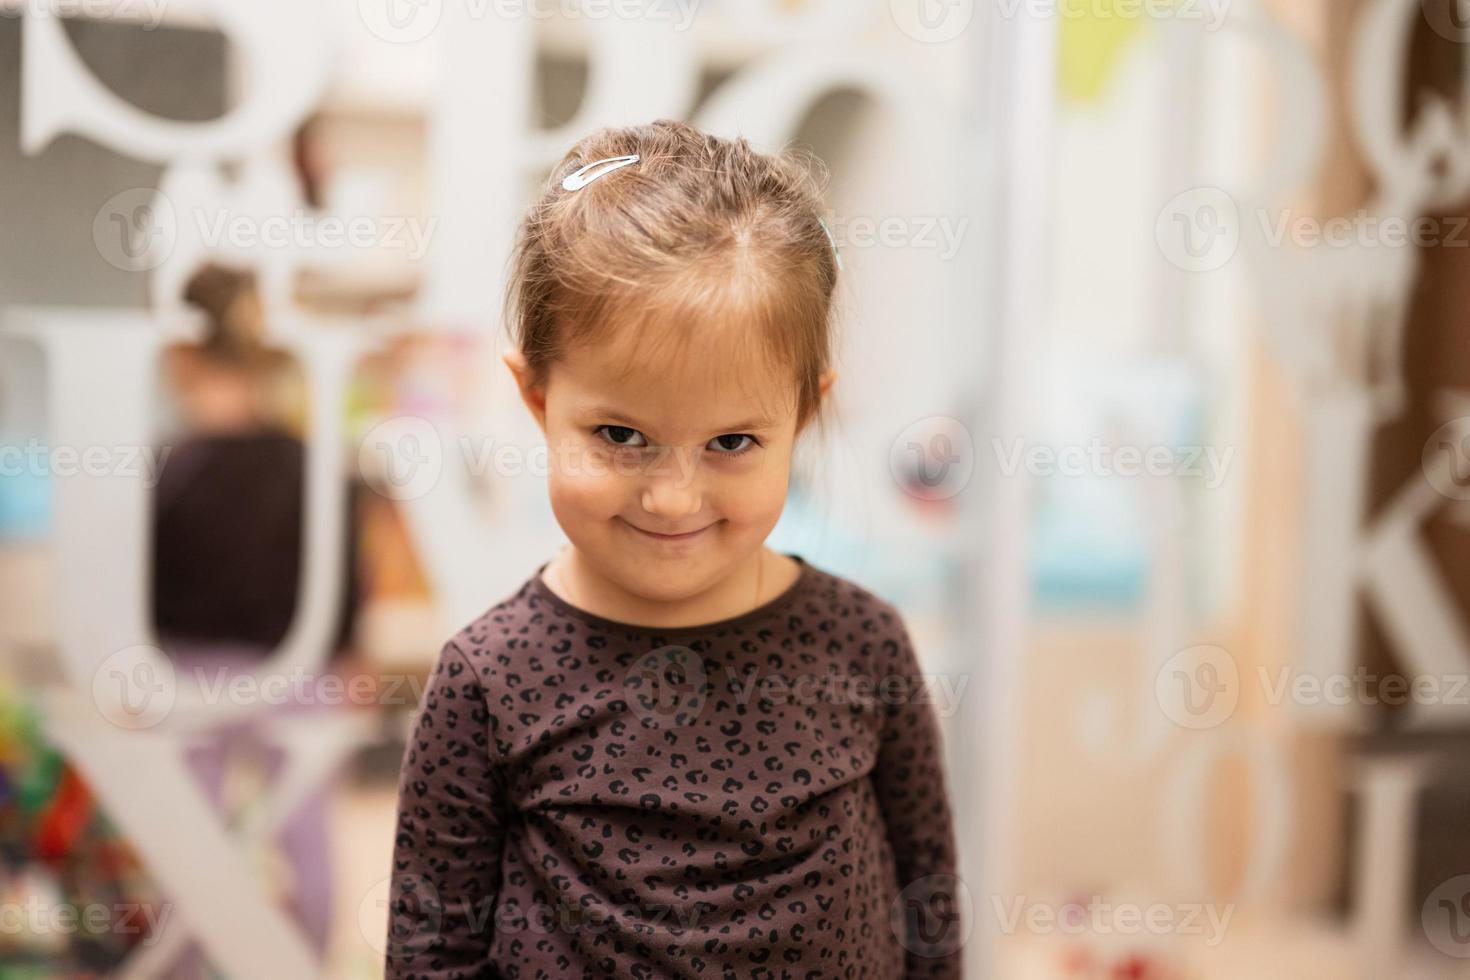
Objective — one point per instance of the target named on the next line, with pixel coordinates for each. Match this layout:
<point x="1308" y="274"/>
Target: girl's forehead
<point x="690" y="385"/>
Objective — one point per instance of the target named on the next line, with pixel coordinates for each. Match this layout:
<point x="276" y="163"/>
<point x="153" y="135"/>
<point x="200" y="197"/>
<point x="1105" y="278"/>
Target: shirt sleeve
<point x="909" y="778"/>
<point x="452" y="815"/>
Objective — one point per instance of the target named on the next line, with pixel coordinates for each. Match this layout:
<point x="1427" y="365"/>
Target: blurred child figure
<point x="227" y="538"/>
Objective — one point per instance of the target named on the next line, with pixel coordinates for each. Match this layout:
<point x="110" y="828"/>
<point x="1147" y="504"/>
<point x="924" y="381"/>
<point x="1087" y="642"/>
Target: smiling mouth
<point x="686" y="536"/>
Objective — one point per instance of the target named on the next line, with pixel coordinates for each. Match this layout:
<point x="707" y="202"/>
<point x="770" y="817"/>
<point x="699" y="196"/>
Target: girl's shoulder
<point x="847" y="601"/>
<point x="516" y="621"/>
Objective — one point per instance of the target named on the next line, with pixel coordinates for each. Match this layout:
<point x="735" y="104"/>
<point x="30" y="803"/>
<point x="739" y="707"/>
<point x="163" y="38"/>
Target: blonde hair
<point x="698" y="229"/>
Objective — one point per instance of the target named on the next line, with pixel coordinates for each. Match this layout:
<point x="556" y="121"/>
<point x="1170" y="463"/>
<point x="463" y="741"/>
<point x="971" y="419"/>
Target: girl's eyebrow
<point x="760" y="422"/>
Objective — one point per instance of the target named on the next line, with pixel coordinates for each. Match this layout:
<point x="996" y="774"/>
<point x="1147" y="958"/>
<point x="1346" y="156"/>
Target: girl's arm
<point x="910" y="783"/>
<point x="451" y="827"/>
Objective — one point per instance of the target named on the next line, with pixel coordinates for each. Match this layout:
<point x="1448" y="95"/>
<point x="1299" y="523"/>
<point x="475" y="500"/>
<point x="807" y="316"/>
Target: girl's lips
<point x="669" y="537"/>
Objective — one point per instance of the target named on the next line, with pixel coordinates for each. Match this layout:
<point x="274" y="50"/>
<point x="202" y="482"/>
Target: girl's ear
<point x="824" y="387"/>
<point x="828" y="377"/>
<point x="534" y="397"/>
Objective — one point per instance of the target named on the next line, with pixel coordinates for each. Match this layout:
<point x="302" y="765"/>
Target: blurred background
<point x="1153" y="419"/>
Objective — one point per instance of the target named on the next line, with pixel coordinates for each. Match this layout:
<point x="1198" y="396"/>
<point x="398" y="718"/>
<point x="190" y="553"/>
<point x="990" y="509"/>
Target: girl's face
<point x="667" y="479"/>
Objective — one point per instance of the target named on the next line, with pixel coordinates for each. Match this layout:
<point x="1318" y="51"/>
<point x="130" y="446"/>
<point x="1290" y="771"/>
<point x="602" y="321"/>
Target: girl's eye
<point x="730" y="445"/>
<point x="616" y="434"/>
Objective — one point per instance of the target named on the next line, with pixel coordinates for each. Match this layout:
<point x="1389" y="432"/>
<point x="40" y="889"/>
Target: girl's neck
<point x="762" y="577"/>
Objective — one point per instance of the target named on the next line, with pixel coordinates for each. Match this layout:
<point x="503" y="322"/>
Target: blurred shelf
<point x="378" y="77"/>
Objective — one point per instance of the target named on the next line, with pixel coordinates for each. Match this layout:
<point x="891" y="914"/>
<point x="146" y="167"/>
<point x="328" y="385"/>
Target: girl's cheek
<point x="586" y="478"/>
<point x="756" y="498"/>
<point x="582" y="501"/>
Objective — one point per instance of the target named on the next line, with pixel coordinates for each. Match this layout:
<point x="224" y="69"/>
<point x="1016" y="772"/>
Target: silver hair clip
<point x="589" y="173"/>
<point x="836" y="253"/>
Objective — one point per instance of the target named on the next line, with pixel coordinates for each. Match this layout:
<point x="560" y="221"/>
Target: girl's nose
<point x="672" y="494"/>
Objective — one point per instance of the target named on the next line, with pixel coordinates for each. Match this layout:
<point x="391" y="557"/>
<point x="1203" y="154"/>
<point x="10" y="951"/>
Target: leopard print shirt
<point x="759" y="797"/>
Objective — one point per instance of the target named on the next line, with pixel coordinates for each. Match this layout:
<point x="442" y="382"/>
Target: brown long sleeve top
<point x="762" y="797"/>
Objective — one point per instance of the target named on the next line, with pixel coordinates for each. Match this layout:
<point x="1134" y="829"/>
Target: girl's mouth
<point x="656" y="536"/>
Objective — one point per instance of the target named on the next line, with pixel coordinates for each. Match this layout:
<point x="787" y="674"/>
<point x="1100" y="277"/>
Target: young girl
<point x="674" y="752"/>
